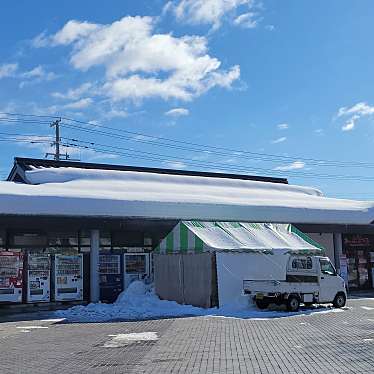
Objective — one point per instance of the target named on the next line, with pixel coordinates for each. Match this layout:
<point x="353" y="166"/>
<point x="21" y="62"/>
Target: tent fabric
<point x="200" y="236"/>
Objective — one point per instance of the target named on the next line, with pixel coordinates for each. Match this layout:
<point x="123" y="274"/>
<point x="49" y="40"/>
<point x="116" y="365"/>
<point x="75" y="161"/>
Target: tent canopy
<point x="200" y="236"/>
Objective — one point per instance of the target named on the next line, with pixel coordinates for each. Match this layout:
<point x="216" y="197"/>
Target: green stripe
<point x="170" y="242"/>
<point x="254" y="226"/>
<point x="157" y="249"/>
<point x="197" y="224"/>
<point x="199" y="244"/>
<point x="306" y="237"/>
<point x="183" y="237"/>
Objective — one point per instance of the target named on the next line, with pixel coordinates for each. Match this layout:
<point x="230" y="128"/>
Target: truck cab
<point x="330" y="283"/>
<point x="308" y="280"/>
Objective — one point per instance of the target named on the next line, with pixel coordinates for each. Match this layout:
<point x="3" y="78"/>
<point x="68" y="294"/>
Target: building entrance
<point x="359" y="251"/>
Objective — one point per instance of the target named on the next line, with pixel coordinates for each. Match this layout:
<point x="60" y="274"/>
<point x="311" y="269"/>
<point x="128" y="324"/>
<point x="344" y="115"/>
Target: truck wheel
<point x="262" y="304"/>
<point x="340" y="300"/>
<point x="293" y="303"/>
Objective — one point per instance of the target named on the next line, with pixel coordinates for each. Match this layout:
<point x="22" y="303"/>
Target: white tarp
<point x="213" y="236"/>
<point x="233" y="268"/>
<point x="277" y="236"/>
<point x="102" y="193"/>
<point x="243" y="236"/>
<point x="197" y="236"/>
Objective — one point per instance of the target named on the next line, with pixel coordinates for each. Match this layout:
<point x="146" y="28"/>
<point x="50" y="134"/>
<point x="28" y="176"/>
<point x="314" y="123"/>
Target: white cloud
<point x="70" y="33"/>
<point x="355" y="112"/>
<point x="39" y="72"/>
<point x="208" y="12"/>
<point x="350" y="124"/>
<point x="361" y="109"/>
<point x="279" y="140"/>
<point x="115" y="113"/>
<point x="79" y="104"/>
<point x="36" y="75"/>
<point x="247" y="20"/>
<point x="293" y="166"/>
<point x="176" y="165"/>
<point x="8" y="70"/>
<point x="177" y="112"/>
<point x="270" y="27"/>
<point x="283" y="126"/>
<point x="74" y="94"/>
<point x="140" y="63"/>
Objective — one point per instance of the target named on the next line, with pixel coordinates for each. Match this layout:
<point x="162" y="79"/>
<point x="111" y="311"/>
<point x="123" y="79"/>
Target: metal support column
<point x="338" y="250"/>
<point x="94" y="267"/>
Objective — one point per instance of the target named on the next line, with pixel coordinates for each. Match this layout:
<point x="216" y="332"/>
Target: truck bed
<point x="274" y="286"/>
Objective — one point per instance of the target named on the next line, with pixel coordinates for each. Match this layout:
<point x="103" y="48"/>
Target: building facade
<point x="94" y="227"/>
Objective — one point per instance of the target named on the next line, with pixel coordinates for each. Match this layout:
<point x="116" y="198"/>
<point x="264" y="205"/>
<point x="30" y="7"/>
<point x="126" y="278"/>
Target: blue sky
<point x="287" y="78"/>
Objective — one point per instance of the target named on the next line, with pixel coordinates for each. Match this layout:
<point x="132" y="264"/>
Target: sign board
<point x="344" y="268"/>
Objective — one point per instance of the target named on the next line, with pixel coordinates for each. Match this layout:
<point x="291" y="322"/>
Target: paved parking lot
<point x="333" y="342"/>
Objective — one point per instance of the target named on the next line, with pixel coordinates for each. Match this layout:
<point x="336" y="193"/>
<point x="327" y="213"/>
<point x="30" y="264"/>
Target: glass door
<point x="360" y="268"/>
<point x="136" y="267"/>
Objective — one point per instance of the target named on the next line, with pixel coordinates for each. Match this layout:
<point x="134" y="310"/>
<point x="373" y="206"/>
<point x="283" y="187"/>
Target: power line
<point x="107" y="149"/>
<point x="28" y="115"/>
<point x="266" y="159"/>
<point x="181" y="145"/>
<point x="232" y="151"/>
<point x="168" y="142"/>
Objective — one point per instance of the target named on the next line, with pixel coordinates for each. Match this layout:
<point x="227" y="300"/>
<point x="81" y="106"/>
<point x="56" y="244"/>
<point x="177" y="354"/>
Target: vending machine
<point x="11" y="273"/>
<point x="38" y="277"/>
<point x="136" y="267"/>
<point x="111" y="277"/>
<point x="67" y="277"/>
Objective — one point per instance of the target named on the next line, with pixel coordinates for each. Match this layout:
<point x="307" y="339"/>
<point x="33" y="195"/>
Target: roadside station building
<point x="73" y="212"/>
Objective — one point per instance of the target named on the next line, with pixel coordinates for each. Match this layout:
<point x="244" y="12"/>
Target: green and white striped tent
<point x="200" y="236"/>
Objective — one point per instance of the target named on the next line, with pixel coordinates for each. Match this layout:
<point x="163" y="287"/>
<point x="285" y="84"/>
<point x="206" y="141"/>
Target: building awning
<point x="75" y="192"/>
<point x="199" y="236"/>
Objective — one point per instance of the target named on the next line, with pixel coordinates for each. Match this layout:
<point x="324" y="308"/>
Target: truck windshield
<point x="326" y="267"/>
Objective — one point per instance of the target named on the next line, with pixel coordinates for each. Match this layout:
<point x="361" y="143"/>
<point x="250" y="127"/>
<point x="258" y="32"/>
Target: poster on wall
<point x="344" y="268"/>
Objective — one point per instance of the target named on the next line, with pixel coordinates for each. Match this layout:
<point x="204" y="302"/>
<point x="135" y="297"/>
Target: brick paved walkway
<point x="340" y="342"/>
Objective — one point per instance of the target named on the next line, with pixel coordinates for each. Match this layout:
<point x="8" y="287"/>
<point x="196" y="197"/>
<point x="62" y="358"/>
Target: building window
<point x="27" y="240"/>
<point x="63" y="239"/>
<point x="302" y="263"/>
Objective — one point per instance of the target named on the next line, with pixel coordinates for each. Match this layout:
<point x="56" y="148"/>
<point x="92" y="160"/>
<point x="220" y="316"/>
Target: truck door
<point x="329" y="282"/>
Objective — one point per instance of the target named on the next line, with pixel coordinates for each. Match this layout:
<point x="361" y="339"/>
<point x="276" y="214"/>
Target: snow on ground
<point x="121" y="340"/>
<point x="139" y="302"/>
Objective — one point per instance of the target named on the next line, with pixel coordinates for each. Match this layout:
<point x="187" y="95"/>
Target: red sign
<point x="357" y="241"/>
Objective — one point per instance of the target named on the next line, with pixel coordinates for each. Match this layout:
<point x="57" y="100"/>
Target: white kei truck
<point x="306" y="279"/>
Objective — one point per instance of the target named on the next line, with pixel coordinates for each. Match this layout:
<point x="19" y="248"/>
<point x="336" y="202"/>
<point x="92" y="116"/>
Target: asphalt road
<point x="332" y="342"/>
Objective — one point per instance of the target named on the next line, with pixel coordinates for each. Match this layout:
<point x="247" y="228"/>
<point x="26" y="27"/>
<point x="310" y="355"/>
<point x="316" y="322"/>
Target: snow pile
<point x="139" y="302"/>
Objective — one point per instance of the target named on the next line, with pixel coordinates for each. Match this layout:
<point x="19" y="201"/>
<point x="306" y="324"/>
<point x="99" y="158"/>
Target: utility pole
<point x="56" y="125"/>
<point x="57" y="143"/>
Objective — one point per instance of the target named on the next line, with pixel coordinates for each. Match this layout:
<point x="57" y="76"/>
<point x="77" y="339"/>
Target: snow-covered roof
<point x="103" y="193"/>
